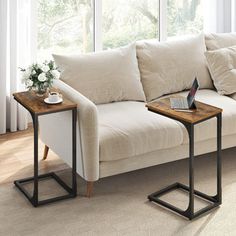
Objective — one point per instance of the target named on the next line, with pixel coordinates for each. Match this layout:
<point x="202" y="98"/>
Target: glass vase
<point x="40" y="91"/>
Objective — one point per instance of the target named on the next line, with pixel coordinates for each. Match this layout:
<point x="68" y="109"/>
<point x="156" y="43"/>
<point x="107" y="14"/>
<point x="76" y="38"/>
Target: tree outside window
<point x="184" y="17"/>
<point x="64" y="26"/>
<point x="125" y="21"/>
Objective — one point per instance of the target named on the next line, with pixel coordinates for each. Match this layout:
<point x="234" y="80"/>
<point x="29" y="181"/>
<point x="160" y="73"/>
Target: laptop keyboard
<point x="179" y="103"/>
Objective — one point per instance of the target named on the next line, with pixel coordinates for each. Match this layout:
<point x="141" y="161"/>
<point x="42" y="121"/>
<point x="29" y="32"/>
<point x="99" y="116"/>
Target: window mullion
<point x="97" y="25"/>
<point x="162" y="20"/>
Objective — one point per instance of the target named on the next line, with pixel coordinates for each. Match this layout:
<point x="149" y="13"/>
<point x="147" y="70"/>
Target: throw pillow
<point x="103" y="77"/>
<point x="222" y="40"/>
<point x="222" y="66"/>
<point x="171" y="67"/>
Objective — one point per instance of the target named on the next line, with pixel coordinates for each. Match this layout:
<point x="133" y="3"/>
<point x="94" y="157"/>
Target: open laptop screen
<point x="192" y="92"/>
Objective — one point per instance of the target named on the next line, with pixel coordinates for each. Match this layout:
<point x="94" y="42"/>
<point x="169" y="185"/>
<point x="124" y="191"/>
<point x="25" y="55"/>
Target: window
<point x="125" y="21"/>
<point x="73" y="26"/>
<point x="184" y="17"/>
<point x="64" y="26"/>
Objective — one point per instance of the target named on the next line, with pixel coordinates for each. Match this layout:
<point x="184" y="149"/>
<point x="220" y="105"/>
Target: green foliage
<point x="184" y="18"/>
<point x="64" y="23"/>
<point x="117" y="39"/>
<point x="128" y="21"/>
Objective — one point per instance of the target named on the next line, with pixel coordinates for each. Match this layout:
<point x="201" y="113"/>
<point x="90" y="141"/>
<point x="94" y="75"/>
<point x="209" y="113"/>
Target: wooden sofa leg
<point x="45" y="153"/>
<point x="89" y="188"/>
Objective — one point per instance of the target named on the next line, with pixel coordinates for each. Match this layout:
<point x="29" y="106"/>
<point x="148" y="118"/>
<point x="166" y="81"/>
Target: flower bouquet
<point x="39" y="77"/>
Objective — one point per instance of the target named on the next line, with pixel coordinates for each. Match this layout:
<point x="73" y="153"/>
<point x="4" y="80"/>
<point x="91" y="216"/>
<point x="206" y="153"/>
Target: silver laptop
<point x="186" y="103"/>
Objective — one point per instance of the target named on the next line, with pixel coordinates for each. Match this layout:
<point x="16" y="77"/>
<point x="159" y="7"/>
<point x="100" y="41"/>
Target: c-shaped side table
<point x="36" y="106"/>
<point x="189" y="120"/>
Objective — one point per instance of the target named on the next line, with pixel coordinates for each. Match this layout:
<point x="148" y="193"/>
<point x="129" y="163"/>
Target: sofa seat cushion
<point x="128" y="129"/>
<point x="207" y="129"/>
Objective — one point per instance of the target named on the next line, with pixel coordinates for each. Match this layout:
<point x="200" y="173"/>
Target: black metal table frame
<point x="214" y="201"/>
<point x="71" y="191"/>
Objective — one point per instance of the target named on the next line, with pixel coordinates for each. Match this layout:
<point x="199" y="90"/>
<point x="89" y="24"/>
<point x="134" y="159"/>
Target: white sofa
<point x="123" y="136"/>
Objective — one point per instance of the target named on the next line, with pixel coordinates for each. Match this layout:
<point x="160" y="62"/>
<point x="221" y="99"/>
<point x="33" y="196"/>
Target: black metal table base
<point x="34" y="199"/>
<point x="213" y="200"/>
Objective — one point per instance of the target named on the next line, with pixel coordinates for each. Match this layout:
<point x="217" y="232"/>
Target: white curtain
<point x="225" y="17"/>
<point x="17" y="49"/>
<point x="220" y="16"/>
<point x="234" y="15"/>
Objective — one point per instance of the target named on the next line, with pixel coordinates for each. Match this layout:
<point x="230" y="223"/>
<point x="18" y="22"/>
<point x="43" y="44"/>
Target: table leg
<point x="35" y="194"/>
<point x="74" y="184"/>
<point x="219" y="180"/>
<point x="190" y="209"/>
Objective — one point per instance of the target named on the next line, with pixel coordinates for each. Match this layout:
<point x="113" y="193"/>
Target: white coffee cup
<point x="53" y="96"/>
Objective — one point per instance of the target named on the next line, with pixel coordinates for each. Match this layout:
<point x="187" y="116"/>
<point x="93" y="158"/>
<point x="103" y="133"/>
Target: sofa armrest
<point x="87" y="132"/>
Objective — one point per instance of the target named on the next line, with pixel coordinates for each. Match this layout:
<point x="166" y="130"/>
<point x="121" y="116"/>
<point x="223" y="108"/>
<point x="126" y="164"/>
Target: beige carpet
<point x="120" y="207"/>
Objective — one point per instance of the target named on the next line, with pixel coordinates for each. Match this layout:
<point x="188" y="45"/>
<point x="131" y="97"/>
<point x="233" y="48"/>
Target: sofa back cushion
<point x="222" y="40"/>
<point x="103" y="77"/>
<point x="171" y="67"/>
<point x="222" y="66"/>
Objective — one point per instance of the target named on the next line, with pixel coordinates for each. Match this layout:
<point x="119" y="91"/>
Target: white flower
<point x="55" y="74"/>
<point x="45" y="68"/>
<point x="42" y="77"/>
<point x="33" y="72"/>
<point x="29" y="83"/>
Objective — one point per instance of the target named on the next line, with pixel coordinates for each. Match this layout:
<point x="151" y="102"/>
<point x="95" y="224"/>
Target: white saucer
<point x="46" y="100"/>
